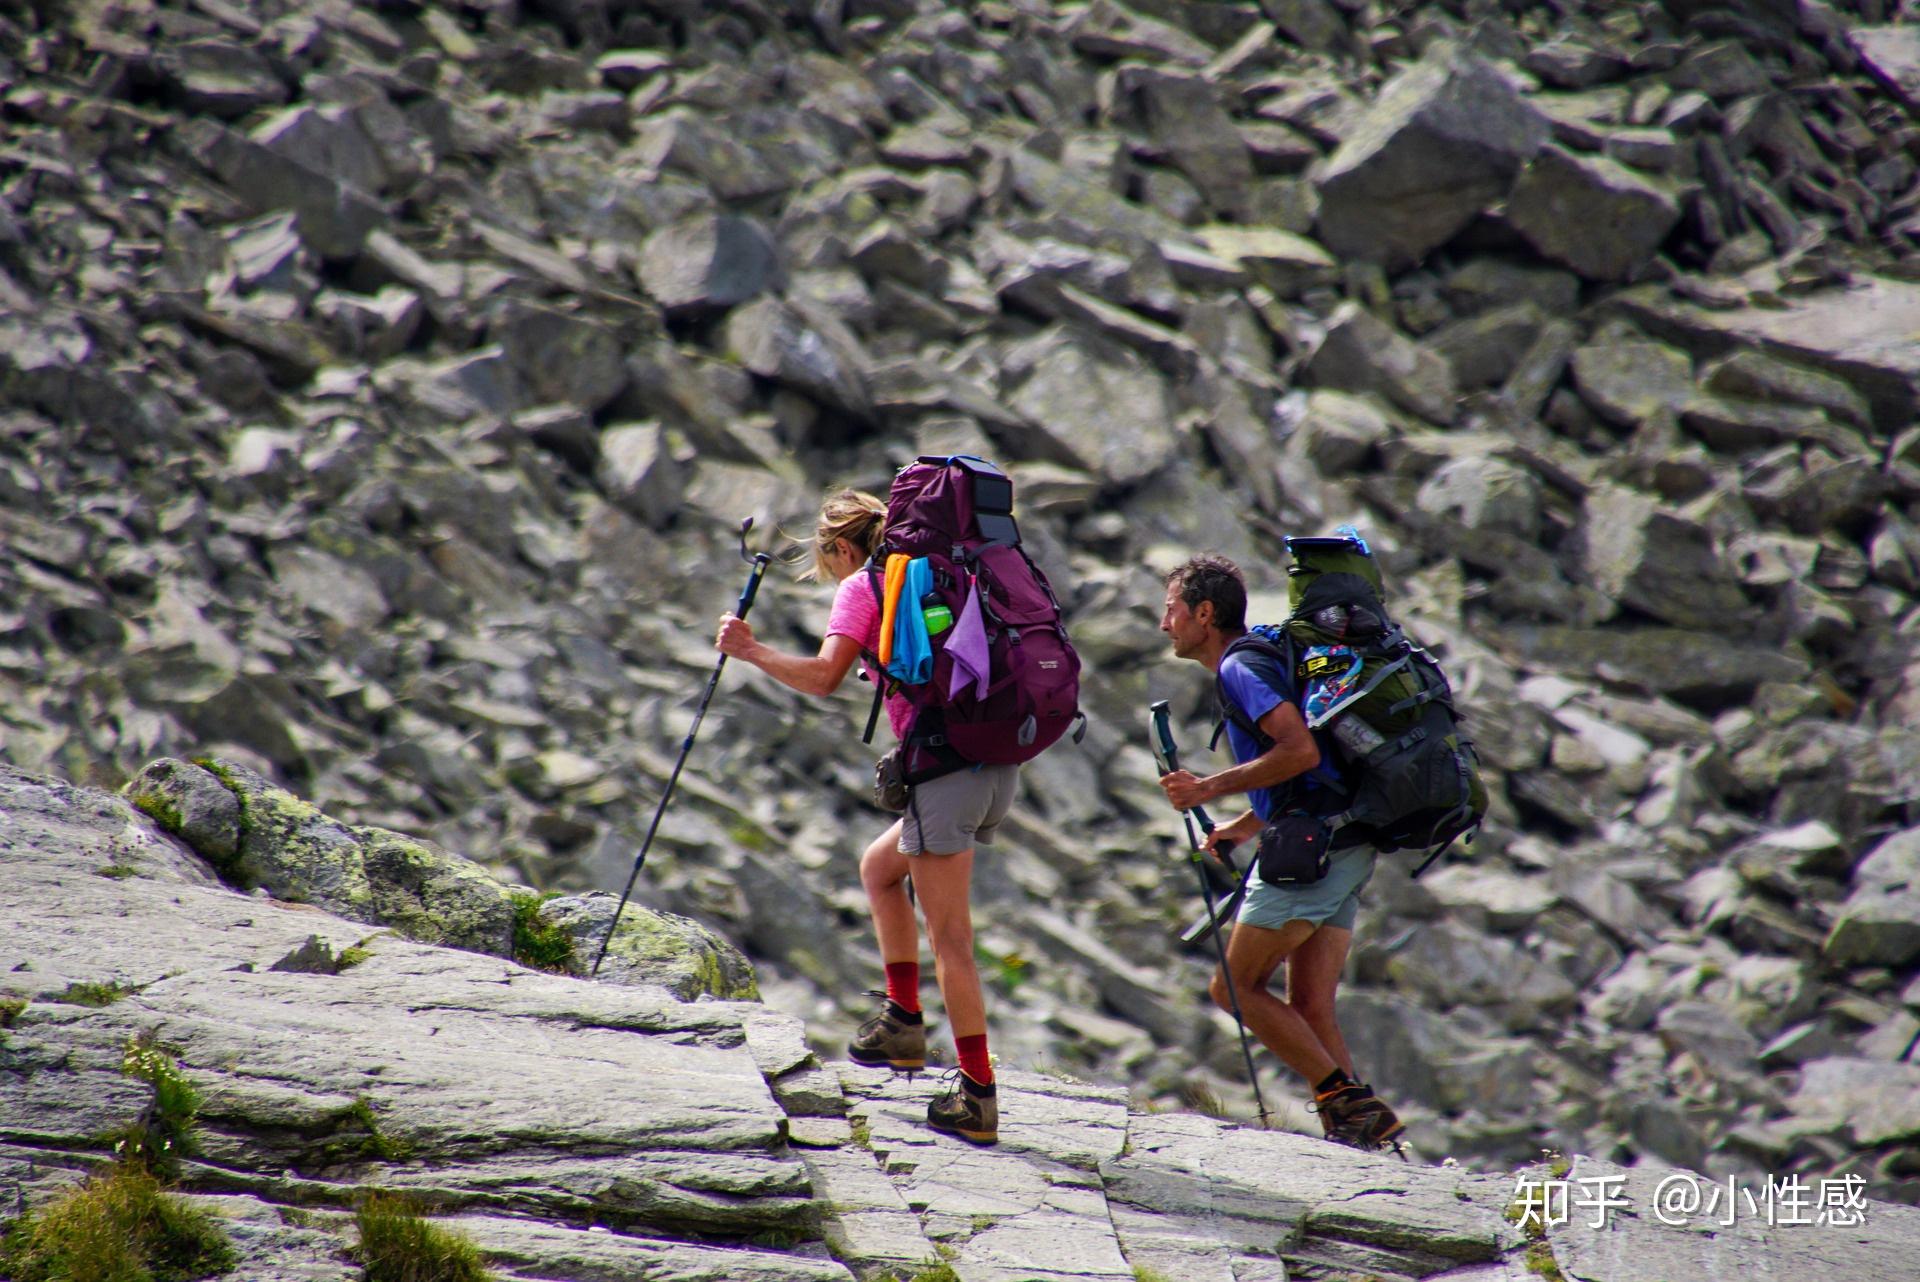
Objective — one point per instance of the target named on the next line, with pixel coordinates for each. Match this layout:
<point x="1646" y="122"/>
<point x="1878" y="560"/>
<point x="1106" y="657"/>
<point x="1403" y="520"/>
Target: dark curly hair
<point x="1216" y="579"/>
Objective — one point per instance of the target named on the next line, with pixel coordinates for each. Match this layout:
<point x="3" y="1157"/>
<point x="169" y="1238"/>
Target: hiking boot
<point x="1353" y="1115"/>
<point x="968" y="1109"/>
<point x="888" y="1041"/>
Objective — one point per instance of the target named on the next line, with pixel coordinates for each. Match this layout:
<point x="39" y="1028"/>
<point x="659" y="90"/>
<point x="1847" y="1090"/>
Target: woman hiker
<point x="932" y="844"/>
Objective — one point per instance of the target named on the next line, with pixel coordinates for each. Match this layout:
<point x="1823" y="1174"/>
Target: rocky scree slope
<point x="578" y="1131"/>
<point x="382" y="384"/>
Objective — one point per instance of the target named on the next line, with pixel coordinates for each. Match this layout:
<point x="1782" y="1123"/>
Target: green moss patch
<point x="118" y="1227"/>
<point x="160" y="809"/>
<point x="119" y="872"/>
<point x="10" y="1008"/>
<point x="538" y="943"/>
<point x="398" y="1244"/>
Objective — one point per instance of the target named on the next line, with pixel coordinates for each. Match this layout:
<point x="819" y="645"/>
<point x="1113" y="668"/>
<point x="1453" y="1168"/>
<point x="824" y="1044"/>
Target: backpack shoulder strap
<point x="1257" y="647"/>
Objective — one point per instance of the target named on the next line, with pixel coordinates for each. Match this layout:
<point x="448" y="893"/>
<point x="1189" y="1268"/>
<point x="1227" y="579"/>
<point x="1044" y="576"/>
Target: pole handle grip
<point x="753" y="586"/>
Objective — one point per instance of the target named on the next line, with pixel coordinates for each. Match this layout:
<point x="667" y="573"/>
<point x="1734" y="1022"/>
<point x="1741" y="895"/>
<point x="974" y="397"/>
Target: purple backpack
<point x="958" y="513"/>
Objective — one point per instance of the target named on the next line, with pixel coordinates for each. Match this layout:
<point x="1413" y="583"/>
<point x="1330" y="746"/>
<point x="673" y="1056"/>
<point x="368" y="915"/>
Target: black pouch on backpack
<point x="890" y="783"/>
<point x="1293" y="850"/>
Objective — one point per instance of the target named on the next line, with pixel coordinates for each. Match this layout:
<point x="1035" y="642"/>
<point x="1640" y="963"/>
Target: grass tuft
<point x="10" y="1008"/>
<point x="397" y="1244"/>
<point x="538" y="943"/>
<point x="1141" y="1273"/>
<point x="117" y="1227"/>
<point x="90" y="994"/>
<point x="942" y="1272"/>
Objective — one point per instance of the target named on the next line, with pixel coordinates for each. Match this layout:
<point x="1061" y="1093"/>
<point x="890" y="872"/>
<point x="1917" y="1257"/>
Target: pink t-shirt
<point x="856" y="614"/>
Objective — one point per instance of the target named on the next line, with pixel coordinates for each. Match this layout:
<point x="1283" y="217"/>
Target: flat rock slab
<point x="1637" y="1246"/>
<point x="466" y="1075"/>
<point x="1330" y="1207"/>
<point x="1030" y="1209"/>
<point x="527" y="1249"/>
<point x="1868" y="334"/>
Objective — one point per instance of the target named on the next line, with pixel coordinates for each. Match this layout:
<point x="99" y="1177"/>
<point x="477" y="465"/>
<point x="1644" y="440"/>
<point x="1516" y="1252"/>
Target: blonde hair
<point x="853" y="515"/>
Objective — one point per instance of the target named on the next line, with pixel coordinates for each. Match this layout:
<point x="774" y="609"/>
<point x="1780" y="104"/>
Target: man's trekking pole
<point x="1168" y="758"/>
<point x="759" y="561"/>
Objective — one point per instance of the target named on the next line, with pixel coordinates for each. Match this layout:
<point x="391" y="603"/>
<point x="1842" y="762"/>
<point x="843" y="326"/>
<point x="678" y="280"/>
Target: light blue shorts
<point x="1334" y="900"/>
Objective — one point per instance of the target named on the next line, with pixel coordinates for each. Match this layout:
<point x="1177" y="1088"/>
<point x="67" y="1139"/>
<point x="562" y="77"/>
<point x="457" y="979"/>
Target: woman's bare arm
<point x="819" y="675"/>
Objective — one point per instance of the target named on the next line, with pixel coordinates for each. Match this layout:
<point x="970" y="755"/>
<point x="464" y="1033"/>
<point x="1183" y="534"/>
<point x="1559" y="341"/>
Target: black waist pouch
<point x="890" y="789"/>
<point x="1293" y="850"/>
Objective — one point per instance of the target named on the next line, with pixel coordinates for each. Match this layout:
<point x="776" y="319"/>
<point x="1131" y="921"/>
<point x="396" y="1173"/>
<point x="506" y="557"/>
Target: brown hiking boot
<point x="887" y="1041"/>
<point x="1353" y="1115"/>
<point x="968" y="1109"/>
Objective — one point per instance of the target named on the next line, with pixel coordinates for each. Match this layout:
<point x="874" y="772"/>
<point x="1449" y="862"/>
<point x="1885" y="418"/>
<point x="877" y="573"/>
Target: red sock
<point x="974" y="1061"/>
<point x="903" y="985"/>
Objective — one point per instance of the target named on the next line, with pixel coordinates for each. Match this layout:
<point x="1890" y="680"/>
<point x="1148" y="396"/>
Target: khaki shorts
<point x="959" y="811"/>
<point x="1334" y="900"/>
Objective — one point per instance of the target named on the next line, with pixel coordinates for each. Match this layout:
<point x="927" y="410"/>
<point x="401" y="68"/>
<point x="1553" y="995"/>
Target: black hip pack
<point x="1294" y="849"/>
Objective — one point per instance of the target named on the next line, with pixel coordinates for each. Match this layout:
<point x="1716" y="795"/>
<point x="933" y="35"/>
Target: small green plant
<point x="942" y="1272"/>
<point x="117" y="1227"/>
<point x="83" y="993"/>
<point x="862" y="1133"/>
<point x="10" y="1008"/>
<point x="981" y="1223"/>
<point x="1141" y="1273"/>
<point x="750" y="836"/>
<point x="538" y="943"/>
<point x="117" y="871"/>
<point x="165" y="1135"/>
<point x="1201" y="1099"/>
<point x="398" y="1244"/>
<point x="1539" y="1255"/>
<point x="379" y="1144"/>
<point x="1009" y="971"/>
<point x="351" y="957"/>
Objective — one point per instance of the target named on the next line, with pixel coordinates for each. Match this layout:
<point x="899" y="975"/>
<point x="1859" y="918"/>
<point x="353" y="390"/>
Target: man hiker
<point x="1308" y="925"/>
<point x="932" y="844"/>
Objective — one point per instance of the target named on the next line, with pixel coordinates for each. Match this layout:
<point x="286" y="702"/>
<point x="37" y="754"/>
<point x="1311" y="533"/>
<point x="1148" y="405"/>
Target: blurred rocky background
<point x="382" y="385"/>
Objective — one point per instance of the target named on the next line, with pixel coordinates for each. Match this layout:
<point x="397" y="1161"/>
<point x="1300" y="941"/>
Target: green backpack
<point x="1388" y="707"/>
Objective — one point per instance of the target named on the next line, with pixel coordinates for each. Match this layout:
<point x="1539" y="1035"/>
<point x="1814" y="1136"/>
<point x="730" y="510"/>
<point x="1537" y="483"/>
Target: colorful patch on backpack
<point x="1331" y="674"/>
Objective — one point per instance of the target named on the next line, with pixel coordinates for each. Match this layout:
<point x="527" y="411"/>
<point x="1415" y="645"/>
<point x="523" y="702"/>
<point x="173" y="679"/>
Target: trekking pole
<point x="1168" y="758"/>
<point x="759" y="561"/>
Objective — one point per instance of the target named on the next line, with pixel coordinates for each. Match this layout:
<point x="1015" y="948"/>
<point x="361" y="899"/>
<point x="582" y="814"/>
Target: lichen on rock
<point x="654" y="948"/>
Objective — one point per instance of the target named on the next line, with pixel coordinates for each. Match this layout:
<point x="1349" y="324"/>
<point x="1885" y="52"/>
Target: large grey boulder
<point x="1658" y="562"/>
<point x="1362" y="353"/>
<point x="1441" y="142"/>
<point x="639" y="472"/>
<point x="1848" y="331"/>
<point x="1592" y="214"/>
<point x="1891" y="55"/>
<point x="1091" y="406"/>
<point x="708" y="263"/>
<point x="804" y="347"/>
<point x="1879" y="925"/>
<point x="1485" y="494"/>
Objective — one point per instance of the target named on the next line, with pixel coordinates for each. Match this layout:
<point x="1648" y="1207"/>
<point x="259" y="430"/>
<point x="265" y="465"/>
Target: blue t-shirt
<point x="1257" y="686"/>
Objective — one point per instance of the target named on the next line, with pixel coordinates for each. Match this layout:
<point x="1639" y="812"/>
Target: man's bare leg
<point x="1253" y="954"/>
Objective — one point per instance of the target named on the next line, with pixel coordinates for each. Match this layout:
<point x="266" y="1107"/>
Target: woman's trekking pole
<point x="1168" y="758"/>
<point x="759" y="561"/>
